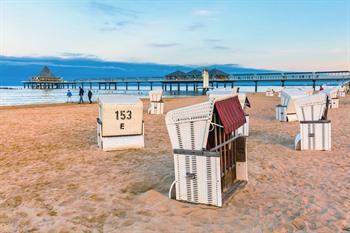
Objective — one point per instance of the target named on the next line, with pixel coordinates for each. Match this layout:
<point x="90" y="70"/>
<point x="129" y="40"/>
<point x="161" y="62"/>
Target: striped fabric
<point x="231" y="114"/>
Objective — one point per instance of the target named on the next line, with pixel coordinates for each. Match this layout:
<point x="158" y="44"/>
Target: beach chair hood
<point x="189" y="127"/>
<point x="311" y="108"/>
<point x="155" y="95"/>
<point x="288" y="96"/>
<point x="230" y="113"/>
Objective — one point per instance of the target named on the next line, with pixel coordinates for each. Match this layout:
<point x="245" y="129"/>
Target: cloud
<point x="221" y="47"/>
<point x="163" y="45"/>
<point x="109" y="9"/>
<point x="212" y="40"/>
<point x="77" y="55"/>
<point x="195" y="26"/>
<point x="57" y="64"/>
<point x="203" y="12"/>
<point x="114" y="26"/>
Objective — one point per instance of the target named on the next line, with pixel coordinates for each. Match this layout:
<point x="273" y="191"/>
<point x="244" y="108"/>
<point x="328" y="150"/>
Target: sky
<point x="309" y="35"/>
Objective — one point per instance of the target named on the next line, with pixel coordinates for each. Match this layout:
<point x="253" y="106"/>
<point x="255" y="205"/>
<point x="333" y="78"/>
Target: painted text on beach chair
<point x="209" y="158"/>
<point x="120" y="123"/>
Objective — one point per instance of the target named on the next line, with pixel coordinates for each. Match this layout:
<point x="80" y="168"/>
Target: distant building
<point x="177" y="75"/>
<point x="46" y="76"/>
<point x="218" y="74"/>
<point x="194" y="74"/>
<point x="214" y="74"/>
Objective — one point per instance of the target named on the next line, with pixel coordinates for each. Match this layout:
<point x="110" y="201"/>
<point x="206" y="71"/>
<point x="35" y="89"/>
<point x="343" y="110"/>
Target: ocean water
<point x="17" y="95"/>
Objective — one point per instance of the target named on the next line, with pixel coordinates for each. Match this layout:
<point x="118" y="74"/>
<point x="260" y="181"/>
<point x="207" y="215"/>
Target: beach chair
<point x="156" y="103"/>
<point x="269" y="92"/>
<point x="315" y="129"/>
<point x="120" y="122"/>
<point x="342" y="91"/>
<point x="210" y="159"/>
<point x="332" y="94"/>
<point x="285" y="111"/>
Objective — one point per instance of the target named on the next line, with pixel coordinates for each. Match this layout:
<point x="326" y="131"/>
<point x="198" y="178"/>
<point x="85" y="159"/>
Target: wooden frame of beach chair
<point x="315" y="130"/>
<point x="120" y="123"/>
<point x="156" y="103"/>
<point x="210" y="160"/>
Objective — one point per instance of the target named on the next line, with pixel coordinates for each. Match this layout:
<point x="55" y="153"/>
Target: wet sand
<point x="53" y="178"/>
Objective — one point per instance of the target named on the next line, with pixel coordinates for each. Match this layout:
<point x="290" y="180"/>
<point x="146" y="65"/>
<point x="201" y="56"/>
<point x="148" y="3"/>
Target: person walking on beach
<point x="90" y="96"/>
<point x="81" y="94"/>
<point x="69" y="96"/>
<point x="321" y="88"/>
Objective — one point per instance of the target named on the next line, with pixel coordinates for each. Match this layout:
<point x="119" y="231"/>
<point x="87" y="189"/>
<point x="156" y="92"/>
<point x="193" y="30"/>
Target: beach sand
<point x="53" y="178"/>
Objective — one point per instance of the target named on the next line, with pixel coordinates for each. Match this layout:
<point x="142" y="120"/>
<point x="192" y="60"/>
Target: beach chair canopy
<point x="288" y="96"/>
<point x="155" y="95"/>
<point x="311" y="108"/>
<point x="230" y="113"/>
<point x="189" y="127"/>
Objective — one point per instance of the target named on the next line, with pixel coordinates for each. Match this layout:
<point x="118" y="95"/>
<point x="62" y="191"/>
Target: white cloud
<point x="203" y="12"/>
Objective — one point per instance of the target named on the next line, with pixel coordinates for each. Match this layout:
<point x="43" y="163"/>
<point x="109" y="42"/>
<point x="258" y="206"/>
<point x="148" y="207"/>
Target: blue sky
<point x="282" y="35"/>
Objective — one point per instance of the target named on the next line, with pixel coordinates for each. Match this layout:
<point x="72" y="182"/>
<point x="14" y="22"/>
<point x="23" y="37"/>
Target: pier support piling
<point x="256" y="86"/>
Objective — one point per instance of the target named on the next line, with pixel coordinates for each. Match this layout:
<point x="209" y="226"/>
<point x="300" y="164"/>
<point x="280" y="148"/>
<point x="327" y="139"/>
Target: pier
<point x="234" y="80"/>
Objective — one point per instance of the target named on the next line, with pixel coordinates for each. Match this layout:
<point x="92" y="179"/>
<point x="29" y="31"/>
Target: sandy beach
<point x="54" y="178"/>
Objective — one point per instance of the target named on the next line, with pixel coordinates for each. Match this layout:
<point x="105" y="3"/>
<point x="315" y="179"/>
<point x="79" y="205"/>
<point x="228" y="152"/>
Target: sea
<point x="17" y="95"/>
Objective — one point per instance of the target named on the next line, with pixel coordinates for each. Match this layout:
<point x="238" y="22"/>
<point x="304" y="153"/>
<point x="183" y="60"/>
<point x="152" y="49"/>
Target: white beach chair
<point x="269" y="92"/>
<point x="156" y="103"/>
<point x="342" y="91"/>
<point x="120" y="123"/>
<point x="315" y="130"/>
<point x="210" y="160"/>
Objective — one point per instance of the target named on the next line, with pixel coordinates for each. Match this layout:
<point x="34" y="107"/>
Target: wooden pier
<point x="196" y="84"/>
